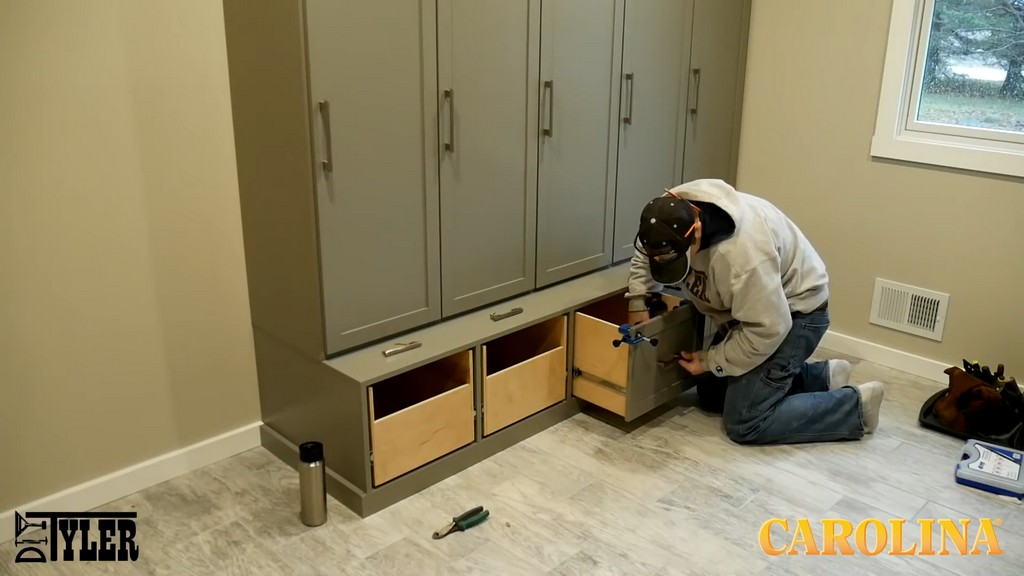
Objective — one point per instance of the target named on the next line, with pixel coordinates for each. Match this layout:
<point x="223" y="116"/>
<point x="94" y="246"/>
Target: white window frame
<point x="899" y="136"/>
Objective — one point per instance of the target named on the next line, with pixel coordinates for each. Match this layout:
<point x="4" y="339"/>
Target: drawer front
<point x="631" y="379"/>
<point x="419" y="415"/>
<point x="654" y="376"/>
<point x="594" y="354"/>
<point x="523" y="390"/>
<point x="524" y="372"/>
<point x="421" y="433"/>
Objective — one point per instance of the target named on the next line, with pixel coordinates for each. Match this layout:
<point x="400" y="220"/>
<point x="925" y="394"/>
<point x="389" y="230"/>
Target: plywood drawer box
<point x="626" y="378"/>
<point x="420" y="415"/>
<point x="523" y="373"/>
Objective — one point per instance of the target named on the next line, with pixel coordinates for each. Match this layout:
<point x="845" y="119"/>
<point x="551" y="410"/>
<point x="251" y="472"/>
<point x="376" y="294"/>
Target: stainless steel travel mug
<point x="312" y="484"/>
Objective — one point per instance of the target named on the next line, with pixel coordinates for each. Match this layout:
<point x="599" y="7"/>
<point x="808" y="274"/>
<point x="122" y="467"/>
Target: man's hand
<point x="691" y="362"/>
<point x="637" y="317"/>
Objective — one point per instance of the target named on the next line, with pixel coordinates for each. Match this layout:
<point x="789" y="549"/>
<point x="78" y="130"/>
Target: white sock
<point x="871" y="404"/>
<point x="838" y="373"/>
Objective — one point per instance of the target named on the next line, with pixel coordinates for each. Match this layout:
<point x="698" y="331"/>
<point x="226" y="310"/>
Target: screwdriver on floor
<point x="463" y="521"/>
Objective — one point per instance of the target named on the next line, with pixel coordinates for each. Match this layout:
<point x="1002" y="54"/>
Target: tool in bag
<point x="978" y="404"/>
<point x="463" y="522"/>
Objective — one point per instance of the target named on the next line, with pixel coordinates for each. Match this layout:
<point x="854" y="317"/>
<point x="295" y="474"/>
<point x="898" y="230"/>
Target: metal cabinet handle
<point x="325" y="117"/>
<point x="696" y="103"/>
<point x="549" y="87"/>
<point x="497" y="317"/>
<point x="628" y="119"/>
<point x="402" y="347"/>
<point x="449" y="97"/>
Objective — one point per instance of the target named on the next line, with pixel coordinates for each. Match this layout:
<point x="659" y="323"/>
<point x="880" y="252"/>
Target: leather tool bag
<point x="970" y="407"/>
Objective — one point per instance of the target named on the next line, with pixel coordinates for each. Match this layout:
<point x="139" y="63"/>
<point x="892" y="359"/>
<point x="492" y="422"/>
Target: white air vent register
<point x="909" y="309"/>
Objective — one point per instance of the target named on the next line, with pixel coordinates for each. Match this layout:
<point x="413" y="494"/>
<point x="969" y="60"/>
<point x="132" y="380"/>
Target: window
<point x="953" y="87"/>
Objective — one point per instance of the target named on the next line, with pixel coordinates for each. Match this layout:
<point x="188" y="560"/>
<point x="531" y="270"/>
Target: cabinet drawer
<point x="421" y="415"/>
<point x="624" y="374"/>
<point x="524" y="373"/>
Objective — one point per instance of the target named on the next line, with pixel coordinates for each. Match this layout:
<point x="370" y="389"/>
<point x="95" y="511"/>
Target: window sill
<point x="952" y="152"/>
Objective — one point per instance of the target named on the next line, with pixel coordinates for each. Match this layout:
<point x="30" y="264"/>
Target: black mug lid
<point x="311" y="452"/>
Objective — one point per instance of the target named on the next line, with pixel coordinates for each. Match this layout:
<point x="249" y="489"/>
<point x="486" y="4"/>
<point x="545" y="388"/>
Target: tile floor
<point x="673" y="497"/>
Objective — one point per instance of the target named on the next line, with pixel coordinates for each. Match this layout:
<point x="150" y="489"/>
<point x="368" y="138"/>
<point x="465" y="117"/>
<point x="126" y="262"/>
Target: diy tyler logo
<point x="893" y="538"/>
<point x="101" y="537"/>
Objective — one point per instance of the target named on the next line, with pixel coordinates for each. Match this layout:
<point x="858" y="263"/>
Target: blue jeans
<point x="786" y="400"/>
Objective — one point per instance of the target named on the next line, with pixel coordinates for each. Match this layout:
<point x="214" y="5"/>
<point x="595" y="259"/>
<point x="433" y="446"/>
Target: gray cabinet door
<point x="714" y="99"/>
<point x="487" y="94"/>
<point x="579" y="71"/>
<point x="375" y="129"/>
<point x="655" y="59"/>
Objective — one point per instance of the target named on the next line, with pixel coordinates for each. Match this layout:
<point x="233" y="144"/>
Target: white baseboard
<point x="126" y="481"/>
<point x="885" y="356"/>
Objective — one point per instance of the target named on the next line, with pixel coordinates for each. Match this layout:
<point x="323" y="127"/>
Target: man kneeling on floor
<point x="746" y="266"/>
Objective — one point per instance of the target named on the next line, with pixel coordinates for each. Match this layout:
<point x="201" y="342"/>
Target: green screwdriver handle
<point x="466" y="523"/>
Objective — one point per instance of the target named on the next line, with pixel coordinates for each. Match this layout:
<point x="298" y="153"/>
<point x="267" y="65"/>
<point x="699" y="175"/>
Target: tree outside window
<point x="974" y="66"/>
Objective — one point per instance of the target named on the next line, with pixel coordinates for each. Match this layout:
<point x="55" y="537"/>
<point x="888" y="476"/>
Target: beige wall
<point x="814" y="72"/>
<point x="124" y="325"/>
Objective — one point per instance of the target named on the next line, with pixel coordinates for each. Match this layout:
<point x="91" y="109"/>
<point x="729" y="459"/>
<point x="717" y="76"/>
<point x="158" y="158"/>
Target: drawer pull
<point x="632" y="340"/>
<point x="498" y="317"/>
<point x="402" y="347"/>
<point x="674" y="361"/>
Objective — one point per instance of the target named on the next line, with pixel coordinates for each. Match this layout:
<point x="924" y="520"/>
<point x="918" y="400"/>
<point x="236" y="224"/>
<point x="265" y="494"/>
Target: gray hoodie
<point x="757" y="277"/>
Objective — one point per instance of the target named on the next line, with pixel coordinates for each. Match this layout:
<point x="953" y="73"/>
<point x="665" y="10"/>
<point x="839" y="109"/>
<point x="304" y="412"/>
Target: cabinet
<point x="434" y="157"/>
<point x="376" y="178"/>
<point x="716" y="84"/>
<point x="436" y="200"/>
<point x="682" y="69"/>
<point x="655" y="56"/>
<point x="636" y="96"/>
<point x="579" y="72"/>
<point x="403" y="162"/>
<point x="487" y="81"/>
